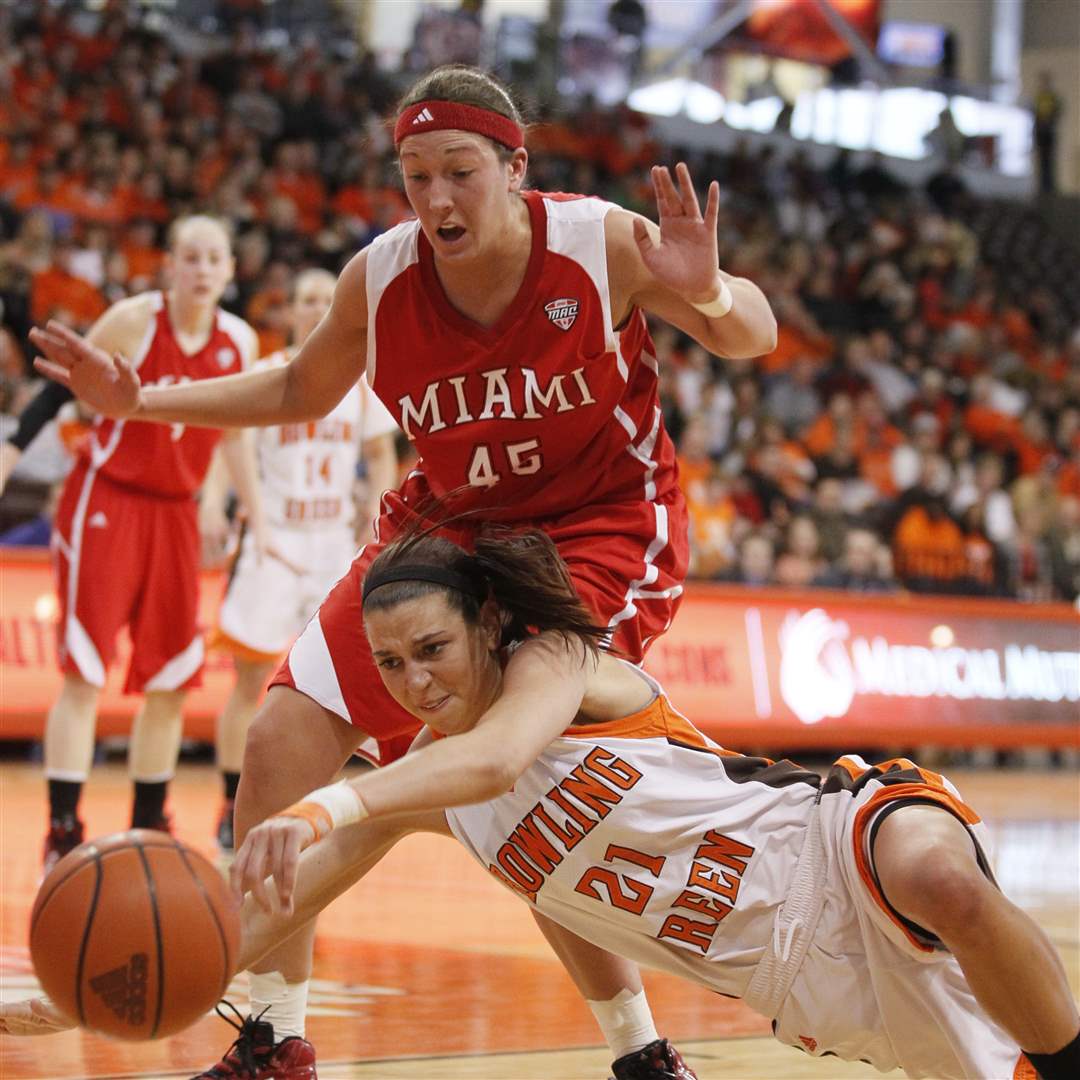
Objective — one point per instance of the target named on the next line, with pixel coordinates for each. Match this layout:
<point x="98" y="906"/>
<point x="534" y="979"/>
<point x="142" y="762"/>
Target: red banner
<point x="768" y="668"/>
<point x="753" y="668"/>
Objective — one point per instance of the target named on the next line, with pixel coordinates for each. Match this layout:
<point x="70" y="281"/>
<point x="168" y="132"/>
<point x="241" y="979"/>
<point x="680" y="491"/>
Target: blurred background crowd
<point x="917" y="427"/>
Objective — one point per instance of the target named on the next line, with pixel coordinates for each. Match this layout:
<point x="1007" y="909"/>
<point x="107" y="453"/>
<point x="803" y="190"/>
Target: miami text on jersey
<point x="509" y="394"/>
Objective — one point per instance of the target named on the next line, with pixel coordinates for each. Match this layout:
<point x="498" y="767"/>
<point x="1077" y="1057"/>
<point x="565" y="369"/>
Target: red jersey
<point x="168" y="459"/>
<point x="548" y="411"/>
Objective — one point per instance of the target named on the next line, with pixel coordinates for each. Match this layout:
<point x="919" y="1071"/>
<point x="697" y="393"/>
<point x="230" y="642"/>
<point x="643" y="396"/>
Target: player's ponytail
<point x="521" y="571"/>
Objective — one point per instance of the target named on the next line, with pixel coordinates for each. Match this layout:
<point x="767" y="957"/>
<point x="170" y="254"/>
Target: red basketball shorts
<point x="627" y="560"/>
<point x="125" y="558"/>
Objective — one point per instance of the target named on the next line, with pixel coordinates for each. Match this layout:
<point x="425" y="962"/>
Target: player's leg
<point x="294" y="745"/>
<point x="96" y="539"/>
<point x="232" y="727"/>
<point x="261" y="615"/>
<point x="926" y="864"/>
<point x="152" y="756"/>
<point x="167" y="653"/>
<point x="69" y="754"/>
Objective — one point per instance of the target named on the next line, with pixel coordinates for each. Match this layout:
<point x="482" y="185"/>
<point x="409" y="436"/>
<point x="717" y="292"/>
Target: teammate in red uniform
<point x="505" y="330"/>
<point x="126" y="536"/>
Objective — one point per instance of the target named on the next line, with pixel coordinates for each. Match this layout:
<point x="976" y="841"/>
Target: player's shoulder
<point x="135" y="310"/>
<point x="241" y="332"/>
<point x="126" y="322"/>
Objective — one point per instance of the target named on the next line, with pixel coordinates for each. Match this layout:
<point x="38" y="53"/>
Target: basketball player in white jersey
<point x="857" y="912"/>
<point x="307" y="474"/>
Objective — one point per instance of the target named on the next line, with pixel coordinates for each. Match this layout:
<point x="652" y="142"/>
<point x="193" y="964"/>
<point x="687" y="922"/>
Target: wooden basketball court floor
<point x="428" y="969"/>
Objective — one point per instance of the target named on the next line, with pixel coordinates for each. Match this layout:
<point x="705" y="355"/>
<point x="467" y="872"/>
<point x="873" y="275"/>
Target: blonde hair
<point x="182" y="223"/>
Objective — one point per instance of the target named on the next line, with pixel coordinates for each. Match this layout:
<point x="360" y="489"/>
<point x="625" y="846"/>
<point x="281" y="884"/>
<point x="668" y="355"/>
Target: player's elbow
<point x="493" y="775"/>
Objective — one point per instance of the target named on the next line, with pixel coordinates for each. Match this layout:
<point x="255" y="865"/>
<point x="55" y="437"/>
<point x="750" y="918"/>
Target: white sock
<point x="626" y="1022"/>
<point x="280" y="1003"/>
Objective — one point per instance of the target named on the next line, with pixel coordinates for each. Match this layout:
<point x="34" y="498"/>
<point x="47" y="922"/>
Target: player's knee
<point x="263" y="746"/>
<point x="943" y="890"/>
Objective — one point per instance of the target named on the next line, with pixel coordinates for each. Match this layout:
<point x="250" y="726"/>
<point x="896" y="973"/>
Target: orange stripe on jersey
<point x="658" y="720"/>
<point x="928" y="792"/>
<point x="853" y="770"/>
<point x="934" y="779"/>
<point x="220" y="640"/>
<point x="1024" y="1069"/>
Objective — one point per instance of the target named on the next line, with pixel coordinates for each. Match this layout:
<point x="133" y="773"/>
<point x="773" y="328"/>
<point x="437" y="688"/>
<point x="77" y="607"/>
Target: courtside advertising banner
<point x="820" y="668"/>
<point x="752" y="668"/>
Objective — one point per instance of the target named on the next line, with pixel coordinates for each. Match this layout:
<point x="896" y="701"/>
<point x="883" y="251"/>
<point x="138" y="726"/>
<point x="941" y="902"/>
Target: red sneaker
<point x="64" y="835"/>
<point x="657" y="1061"/>
<point x="255" y="1056"/>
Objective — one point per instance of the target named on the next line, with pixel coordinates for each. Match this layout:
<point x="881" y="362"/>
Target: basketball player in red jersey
<point x="126" y="538"/>
<point x="505" y="330"/>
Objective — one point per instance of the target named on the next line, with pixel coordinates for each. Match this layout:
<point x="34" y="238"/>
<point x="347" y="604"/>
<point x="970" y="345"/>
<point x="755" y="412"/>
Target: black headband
<point x="437" y="575"/>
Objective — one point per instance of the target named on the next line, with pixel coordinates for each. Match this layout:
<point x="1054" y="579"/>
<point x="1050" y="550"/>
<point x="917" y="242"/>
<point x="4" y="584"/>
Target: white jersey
<point x="308" y="469"/>
<point x="750" y="877"/>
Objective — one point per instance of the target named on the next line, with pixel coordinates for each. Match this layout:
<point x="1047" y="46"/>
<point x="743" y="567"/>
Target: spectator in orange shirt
<point x="695" y="464"/>
<point x="1032" y="443"/>
<point x="820" y="437"/>
<point x="989" y="426"/>
<point x="57" y="288"/>
<point x="929" y="548"/>
<point x="295" y="178"/>
<point x="713" y="522"/>
<point x="783" y="462"/>
<point x="139" y="248"/>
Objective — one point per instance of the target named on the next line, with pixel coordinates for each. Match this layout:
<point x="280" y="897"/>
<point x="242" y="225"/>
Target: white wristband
<point x="719" y="306"/>
<point x="341" y="801"/>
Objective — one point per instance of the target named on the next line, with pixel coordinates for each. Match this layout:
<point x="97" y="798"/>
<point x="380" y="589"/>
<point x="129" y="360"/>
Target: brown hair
<point x="466" y="86"/>
<point x="521" y="571"/>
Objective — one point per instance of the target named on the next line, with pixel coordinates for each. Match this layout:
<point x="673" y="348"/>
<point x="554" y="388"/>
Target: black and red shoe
<point x="64" y="835"/>
<point x="255" y="1056"/>
<point x="657" y="1061"/>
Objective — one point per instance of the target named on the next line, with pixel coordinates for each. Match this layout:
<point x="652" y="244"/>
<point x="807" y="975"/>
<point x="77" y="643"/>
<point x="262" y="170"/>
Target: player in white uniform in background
<point x="308" y="477"/>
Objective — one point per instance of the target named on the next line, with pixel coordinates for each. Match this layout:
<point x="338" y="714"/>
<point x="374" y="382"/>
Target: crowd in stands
<point x="917" y="427"/>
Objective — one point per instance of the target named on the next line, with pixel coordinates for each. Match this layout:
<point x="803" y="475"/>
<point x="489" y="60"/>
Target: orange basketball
<point x="134" y="935"/>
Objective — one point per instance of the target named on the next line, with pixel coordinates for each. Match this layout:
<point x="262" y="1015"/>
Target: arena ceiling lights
<point x="894" y="121"/>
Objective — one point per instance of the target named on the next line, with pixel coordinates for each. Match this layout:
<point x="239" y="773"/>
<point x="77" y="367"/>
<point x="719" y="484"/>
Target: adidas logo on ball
<point x="123" y="989"/>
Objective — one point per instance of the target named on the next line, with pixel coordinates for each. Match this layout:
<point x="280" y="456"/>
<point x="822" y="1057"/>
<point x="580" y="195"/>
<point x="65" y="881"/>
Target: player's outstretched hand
<point x="686" y="257"/>
<point x="271" y="850"/>
<point x="108" y="384"/>
<point x="35" y="1016"/>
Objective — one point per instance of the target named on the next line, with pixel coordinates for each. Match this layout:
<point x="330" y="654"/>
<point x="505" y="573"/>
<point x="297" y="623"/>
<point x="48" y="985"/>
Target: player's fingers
<point x="56" y="372"/>
<point x="672" y="202"/>
<point x="662" y="189"/>
<point x="55" y="348"/>
<point x="290" y="863"/>
<point x="75" y="342"/>
<point x="712" y="206"/>
<point x="688" y="199"/>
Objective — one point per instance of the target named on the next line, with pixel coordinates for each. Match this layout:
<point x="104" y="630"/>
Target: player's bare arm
<point x="669" y="268"/>
<point x="543" y="687"/>
<point x="330" y="362"/>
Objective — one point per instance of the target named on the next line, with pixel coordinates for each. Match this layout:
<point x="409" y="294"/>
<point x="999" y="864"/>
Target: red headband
<point x="452" y="116"/>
